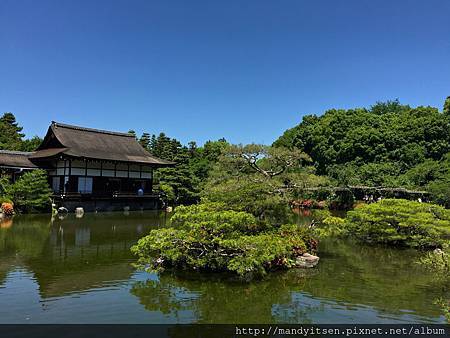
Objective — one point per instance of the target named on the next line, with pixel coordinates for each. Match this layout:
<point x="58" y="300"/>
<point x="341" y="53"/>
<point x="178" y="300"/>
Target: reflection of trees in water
<point x="383" y="281"/>
<point x="25" y="236"/>
<point x="92" y="251"/>
<point x="383" y="277"/>
<point x="73" y="254"/>
<point x="5" y="223"/>
<point x="214" y="299"/>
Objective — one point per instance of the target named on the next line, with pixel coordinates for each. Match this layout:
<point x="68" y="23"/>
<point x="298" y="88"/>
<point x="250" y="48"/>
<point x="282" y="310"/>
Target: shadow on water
<point x="79" y="271"/>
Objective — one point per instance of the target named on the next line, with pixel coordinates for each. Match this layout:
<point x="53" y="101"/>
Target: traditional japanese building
<point x="90" y="168"/>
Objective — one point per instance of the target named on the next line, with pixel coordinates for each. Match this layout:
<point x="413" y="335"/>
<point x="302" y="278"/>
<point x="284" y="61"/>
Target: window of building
<point x="56" y="182"/>
<point x="85" y="185"/>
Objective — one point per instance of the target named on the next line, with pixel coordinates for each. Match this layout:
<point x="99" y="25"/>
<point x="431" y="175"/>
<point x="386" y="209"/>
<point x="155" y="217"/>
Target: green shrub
<point x="257" y="254"/>
<point x="31" y="192"/>
<point x="330" y="226"/>
<point x="5" y="199"/>
<point x="438" y="261"/>
<point x="168" y="193"/>
<point x="213" y="218"/>
<point x="445" y="306"/>
<point x="206" y="237"/>
<point x="4" y="188"/>
<point x="440" y="192"/>
<point x="320" y="215"/>
<point x="400" y="222"/>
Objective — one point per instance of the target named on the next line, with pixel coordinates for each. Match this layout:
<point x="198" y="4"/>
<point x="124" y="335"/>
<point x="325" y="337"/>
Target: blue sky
<point x="240" y="69"/>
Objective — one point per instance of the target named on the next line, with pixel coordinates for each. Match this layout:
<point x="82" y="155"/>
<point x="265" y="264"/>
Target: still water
<point x="80" y="271"/>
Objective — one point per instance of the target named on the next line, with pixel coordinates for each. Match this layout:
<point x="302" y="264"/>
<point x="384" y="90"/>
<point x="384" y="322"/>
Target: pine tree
<point x="151" y="146"/>
<point x="31" y="144"/>
<point x="10" y="133"/>
<point x="31" y="192"/>
<point x="144" y="141"/>
<point x="132" y="132"/>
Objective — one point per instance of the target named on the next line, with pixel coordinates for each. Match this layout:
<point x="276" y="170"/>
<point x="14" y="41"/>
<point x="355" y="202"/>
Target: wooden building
<point x="94" y="169"/>
<point x="15" y="163"/>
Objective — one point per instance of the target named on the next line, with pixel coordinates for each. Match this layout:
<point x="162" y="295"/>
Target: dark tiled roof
<point x="16" y="159"/>
<point x="93" y="143"/>
<point x="45" y="153"/>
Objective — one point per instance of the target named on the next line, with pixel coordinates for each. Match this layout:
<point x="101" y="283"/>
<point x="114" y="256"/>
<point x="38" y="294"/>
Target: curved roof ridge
<point x="16" y="152"/>
<point x="92" y="130"/>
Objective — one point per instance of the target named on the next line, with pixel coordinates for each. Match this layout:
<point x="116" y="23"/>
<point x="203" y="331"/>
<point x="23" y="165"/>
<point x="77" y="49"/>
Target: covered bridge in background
<point x="91" y="168"/>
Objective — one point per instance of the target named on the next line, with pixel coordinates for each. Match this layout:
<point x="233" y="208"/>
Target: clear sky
<point x="240" y="69"/>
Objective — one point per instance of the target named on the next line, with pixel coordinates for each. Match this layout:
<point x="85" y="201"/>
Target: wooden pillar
<point x="151" y="180"/>
<point x="70" y="173"/>
<point x="64" y="176"/>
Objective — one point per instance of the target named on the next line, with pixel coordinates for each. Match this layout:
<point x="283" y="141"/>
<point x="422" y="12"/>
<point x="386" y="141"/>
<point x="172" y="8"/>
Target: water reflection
<point x="73" y="254"/>
<point x="78" y="270"/>
<point x="353" y="284"/>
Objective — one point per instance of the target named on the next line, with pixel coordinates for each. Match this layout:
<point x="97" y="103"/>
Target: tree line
<point x="388" y="145"/>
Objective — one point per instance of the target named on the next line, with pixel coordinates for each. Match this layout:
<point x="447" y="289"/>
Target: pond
<point x="80" y="271"/>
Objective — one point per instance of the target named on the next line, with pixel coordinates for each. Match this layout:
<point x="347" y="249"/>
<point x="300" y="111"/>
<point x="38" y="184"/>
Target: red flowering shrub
<point x="309" y="204"/>
<point x="7" y="209"/>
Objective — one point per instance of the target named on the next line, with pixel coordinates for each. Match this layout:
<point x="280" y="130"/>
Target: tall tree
<point x="179" y="182"/>
<point x="371" y="146"/>
<point x="10" y="132"/>
<point x="145" y="140"/>
<point x="192" y="147"/>
<point x="132" y="132"/>
<point x="152" y="143"/>
<point x="258" y="178"/>
<point x="447" y="106"/>
<point x="31" y="144"/>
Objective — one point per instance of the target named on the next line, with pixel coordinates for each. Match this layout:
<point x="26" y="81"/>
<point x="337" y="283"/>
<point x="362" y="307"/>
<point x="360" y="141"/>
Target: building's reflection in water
<point x="73" y="254"/>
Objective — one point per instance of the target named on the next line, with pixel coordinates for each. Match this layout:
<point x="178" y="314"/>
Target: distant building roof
<point x="16" y="160"/>
<point x="95" y="144"/>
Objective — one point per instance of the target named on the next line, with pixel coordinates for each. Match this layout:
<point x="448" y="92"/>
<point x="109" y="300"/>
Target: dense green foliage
<point x="447" y="106"/>
<point x="11" y="136"/>
<point x="208" y="237"/>
<point x="30" y="193"/>
<point x="182" y="184"/>
<point x="388" y="144"/>
<point x="437" y="261"/>
<point x="259" y="179"/>
<point x="401" y="223"/>
<point x="434" y="176"/>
